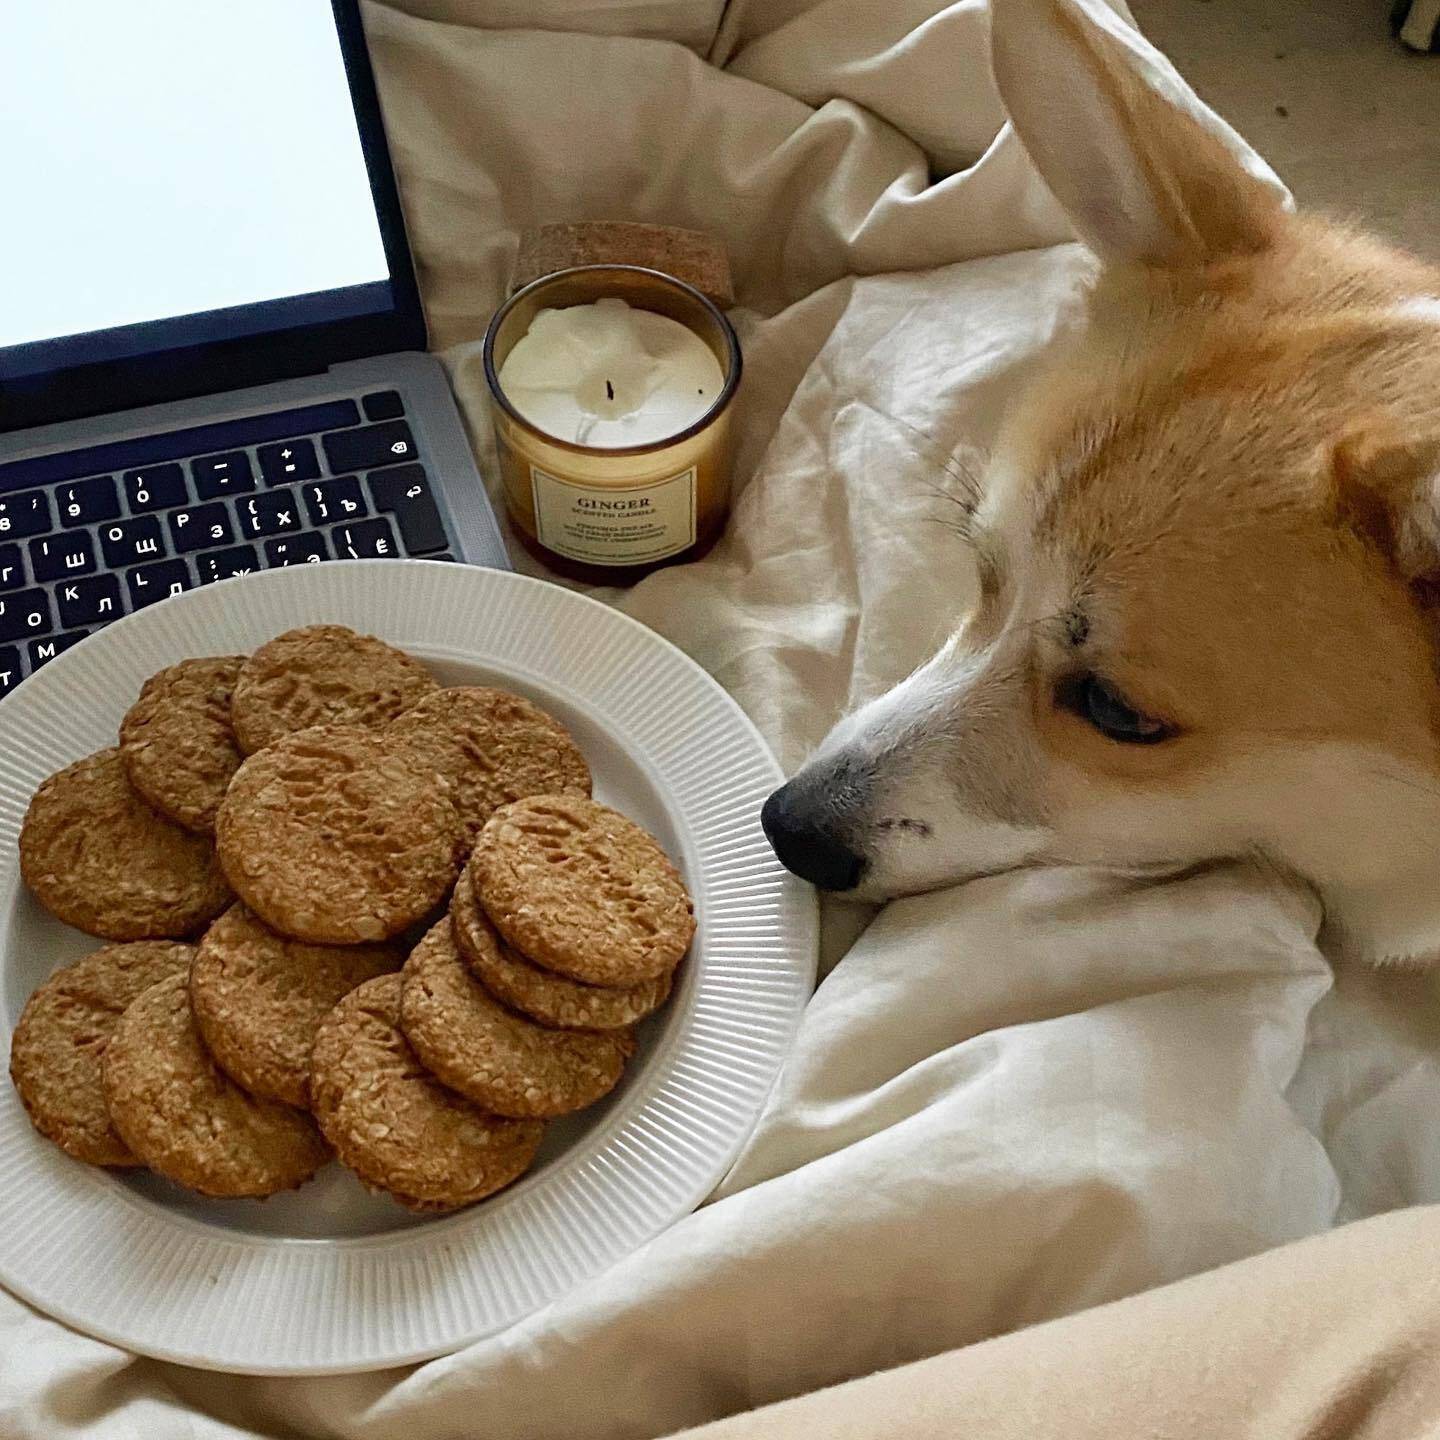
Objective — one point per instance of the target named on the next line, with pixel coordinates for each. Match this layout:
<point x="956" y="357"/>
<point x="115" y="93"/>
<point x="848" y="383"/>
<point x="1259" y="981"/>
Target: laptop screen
<point x="180" y="172"/>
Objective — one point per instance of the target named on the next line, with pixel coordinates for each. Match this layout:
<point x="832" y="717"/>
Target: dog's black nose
<point x="805" y="848"/>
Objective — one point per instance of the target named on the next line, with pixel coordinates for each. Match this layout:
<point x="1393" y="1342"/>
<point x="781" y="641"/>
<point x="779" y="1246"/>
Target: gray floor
<point x="1349" y="119"/>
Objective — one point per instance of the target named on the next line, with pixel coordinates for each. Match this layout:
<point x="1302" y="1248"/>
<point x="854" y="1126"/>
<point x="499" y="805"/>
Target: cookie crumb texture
<point x="56" y="1052"/>
<point x="489" y="1054"/>
<point x="186" y="1119"/>
<point x="99" y="858"/>
<point x="551" y="999"/>
<point x="259" y="997"/>
<point x="578" y="888"/>
<point x="493" y="747"/>
<point x="176" y="741"/>
<point x="323" y="675"/>
<point x="320" y="798"/>
<point x="396" y="1126"/>
<point x="330" y="836"/>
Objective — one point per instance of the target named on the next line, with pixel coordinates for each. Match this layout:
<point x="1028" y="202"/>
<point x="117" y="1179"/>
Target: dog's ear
<point x="1386" y="487"/>
<point x="1144" y="170"/>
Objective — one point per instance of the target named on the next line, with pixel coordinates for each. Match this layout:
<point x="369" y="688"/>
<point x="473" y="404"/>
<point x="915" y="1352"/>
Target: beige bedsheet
<point x="1008" y="1101"/>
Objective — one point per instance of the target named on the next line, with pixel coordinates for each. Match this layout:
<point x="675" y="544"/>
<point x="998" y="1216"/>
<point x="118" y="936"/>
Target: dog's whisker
<point x="966" y="477"/>
<point x="964" y="503"/>
<point x="961" y="527"/>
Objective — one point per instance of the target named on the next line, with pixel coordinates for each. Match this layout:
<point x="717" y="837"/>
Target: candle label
<point x="608" y="525"/>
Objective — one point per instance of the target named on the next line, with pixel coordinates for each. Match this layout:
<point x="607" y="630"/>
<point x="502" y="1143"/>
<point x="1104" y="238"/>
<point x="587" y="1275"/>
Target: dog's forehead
<point x="1196" y="540"/>
<point x="1198" y="469"/>
<point x="1212" y="437"/>
<point x="1181" y="462"/>
<point x="1165" y="524"/>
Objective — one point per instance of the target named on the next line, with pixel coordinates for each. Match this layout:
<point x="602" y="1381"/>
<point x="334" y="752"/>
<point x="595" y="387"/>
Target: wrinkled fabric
<point x="1007" y="1101"/>
<point x="1334" y="1338"/>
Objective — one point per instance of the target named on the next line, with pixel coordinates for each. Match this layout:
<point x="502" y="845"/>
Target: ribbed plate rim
<point x="67" y="1234"/>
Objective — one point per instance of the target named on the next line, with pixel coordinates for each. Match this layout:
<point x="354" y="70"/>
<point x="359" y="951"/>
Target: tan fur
<point x="1215" y="471"/>
<point x="1221" y="498"/>
<point x="1224" y="463"/>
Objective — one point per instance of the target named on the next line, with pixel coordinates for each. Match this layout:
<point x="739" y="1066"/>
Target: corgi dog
<point x="1207" y="543"/>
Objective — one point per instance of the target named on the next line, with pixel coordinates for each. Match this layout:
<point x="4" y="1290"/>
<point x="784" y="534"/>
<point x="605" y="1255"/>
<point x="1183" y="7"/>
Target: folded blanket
<point x="1007" y="1101"/>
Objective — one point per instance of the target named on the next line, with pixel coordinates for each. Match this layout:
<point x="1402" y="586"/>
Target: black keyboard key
<point x="26" y="612"/>
<point x="199" y="527"/>
<point x="335" y="500"/>
<point x="386" y="444"/>
<point x="404" y="492"/>
<point x="309" y="549"/>
<point x="25" y="514"/>
<point x="287" y="463"/>
<point x="58" y="556"/>
<point x="10" y="675"/>
<point x="383" y="405"/>
<point x="180" y="444"/>
<point x="365" y="540"/>
<point x="87" y="502"/>
<point x="89" y="602"/>
<point x="49" y="648"/>
<point x="12" y="571"/>
<point x="218" y="475"/>
<point x="157" y="487"/>
<point x="132" y="542"/>
<point x="446" y="556"/>
<point x="272" y="512"/>
<point x="157" y="582"/>
<point x="222" y="564"/>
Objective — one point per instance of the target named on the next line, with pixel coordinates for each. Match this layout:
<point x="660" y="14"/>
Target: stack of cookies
<point x="356" y="914"/>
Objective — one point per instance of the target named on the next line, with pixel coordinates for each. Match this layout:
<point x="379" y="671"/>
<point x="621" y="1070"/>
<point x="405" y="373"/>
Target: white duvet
<point x="1009" y="1100"/>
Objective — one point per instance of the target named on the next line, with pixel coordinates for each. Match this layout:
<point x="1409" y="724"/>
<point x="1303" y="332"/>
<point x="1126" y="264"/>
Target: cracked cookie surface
<point x="99" y="858"/>
<point x="500" y="1060"/>
<point x="55" y="1055"/>
<point x="176" y="741"/>
<point x="397" y="1127"/>
<point x="576" y="887"/>
<point x="323" y="675"/>
<point x="259" y="997"/>
<point x="186" y="1119"/>
<point x="493" y="747"/>
<point x="330" y="836"/>
<point x="551" y="999"/>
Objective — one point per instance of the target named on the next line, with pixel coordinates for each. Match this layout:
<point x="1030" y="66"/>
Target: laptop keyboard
<point x="89" y="535"/>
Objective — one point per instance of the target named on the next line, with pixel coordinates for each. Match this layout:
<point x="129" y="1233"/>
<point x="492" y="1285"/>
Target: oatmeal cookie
<point x="493" y="747"/>
<point x="578" y="888"/>
<point x="98" y="857"/>
<point x="331" y="837"/>
<point x="322" y="675"/>
<point x="186" y="1119"/>
<point x="396" y="1126"/>
<point x="63" y="1031"/>
<point x="258" y="999"/>
<point x="551" y="999"/>
<point x="491" y="1055"/>
<point x="176" y="742"/>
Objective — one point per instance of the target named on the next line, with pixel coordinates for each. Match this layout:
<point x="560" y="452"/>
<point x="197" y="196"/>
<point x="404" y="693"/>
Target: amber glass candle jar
<point x="597" y="374"/>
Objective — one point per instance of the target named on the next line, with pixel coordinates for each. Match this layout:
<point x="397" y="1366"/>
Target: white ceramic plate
<point x="329" y="1277"/>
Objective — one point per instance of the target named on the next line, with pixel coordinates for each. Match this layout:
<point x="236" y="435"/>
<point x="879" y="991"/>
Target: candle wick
<point x="609" y="391"/>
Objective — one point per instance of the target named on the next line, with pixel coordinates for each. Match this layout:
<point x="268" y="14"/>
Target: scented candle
<point x="611" y="388"/>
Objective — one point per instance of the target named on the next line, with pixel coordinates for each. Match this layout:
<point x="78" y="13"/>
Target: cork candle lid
<point x="690" y="255"/>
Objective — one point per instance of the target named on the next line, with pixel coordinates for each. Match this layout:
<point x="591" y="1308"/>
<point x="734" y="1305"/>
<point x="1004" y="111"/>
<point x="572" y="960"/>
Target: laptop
<point x="212" y="350"/>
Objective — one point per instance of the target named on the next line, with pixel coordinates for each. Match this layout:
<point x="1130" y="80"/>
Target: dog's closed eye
<point x="1101" y="705"/>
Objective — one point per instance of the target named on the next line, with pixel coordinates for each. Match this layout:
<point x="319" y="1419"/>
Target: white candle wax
<point x="608" y="375"/>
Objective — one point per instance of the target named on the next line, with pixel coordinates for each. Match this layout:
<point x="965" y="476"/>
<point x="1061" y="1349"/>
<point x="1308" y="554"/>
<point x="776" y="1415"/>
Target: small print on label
<point x="608" y="525"/>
